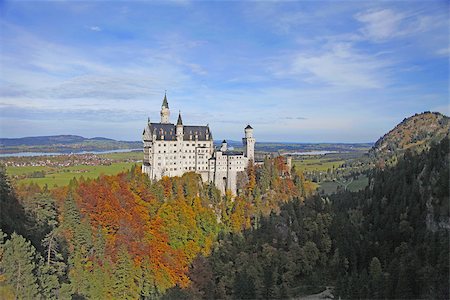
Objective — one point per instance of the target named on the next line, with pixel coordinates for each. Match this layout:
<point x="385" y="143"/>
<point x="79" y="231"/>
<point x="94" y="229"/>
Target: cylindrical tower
<point x="249" y="143"/>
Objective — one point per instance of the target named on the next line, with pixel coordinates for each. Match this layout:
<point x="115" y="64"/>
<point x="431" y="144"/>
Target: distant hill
<point x="286" y="147"/>
<point x="416" y="133"/>
<point x="63" y="143"/>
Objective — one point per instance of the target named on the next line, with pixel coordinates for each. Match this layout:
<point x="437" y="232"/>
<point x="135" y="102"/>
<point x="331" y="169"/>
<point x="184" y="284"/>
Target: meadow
<point x="317" y="163"/>
<point x="329" y="187"/>
<point x="323" y="163"/>
<point x="57" y="176"/>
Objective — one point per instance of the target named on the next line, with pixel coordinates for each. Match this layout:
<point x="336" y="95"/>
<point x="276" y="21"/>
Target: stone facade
<point x="174" y="149"/>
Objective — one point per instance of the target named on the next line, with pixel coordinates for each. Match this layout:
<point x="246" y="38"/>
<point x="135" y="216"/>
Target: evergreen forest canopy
<point x="125" y="237"/>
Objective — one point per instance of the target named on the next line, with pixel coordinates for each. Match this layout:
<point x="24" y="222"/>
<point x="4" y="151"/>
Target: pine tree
<point x="19" y="267"/>
<point x="125" y="286"/>
<point x="52" y="267"/>
<point x="12" y="214"/>
<point x="81" y="240"/>
<point x="375" y="279"/>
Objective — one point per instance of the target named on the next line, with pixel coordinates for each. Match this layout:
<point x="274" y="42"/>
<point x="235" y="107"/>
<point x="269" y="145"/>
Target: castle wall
<point x="174" y="158"/>
<point x="223" y="169"/>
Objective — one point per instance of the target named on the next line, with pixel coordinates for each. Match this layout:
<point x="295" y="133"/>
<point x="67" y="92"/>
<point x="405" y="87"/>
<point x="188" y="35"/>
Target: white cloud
<point x="340" y="65"/>
<point x="380" y="24"/>
<point x="443" y="51"/>
<point x="385" y="24"/>
<point x="95" y="28"/>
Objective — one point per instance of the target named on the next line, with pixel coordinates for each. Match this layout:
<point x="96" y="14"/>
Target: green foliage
<point x="277" y="260"/>
<point x="19" y="267"/>
<point x="395" y="224"/>
<point x="126" y="237"/>
<point x="12" y="214"/>
<point x="124" y="283"/>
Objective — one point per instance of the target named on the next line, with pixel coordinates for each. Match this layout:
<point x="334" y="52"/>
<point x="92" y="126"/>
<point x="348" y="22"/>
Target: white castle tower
<point x="249" y="143"/>
<point x="165" y="112"/>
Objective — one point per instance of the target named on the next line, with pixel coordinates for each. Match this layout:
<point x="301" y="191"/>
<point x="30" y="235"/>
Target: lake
<point x="27" y="154"/>
<point x="320" y="152"/>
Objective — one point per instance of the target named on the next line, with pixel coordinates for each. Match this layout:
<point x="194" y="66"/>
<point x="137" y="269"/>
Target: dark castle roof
<point x="249" y="127"/>
<point x="201" y="131"/>
<point x="232" y="152"/>
<point x="167" y="132"/>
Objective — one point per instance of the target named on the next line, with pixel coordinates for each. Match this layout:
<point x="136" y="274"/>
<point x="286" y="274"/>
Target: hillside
<point x="416" y="133"/>
<point x="389" y="241"/>
<point x="63" y="143"/>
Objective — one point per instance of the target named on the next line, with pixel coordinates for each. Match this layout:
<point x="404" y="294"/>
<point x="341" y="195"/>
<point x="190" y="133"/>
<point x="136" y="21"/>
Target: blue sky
<point x="297" y="71"/>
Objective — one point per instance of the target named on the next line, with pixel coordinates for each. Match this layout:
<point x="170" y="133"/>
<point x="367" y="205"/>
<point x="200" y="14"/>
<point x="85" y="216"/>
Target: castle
<point x="174" y="149"/>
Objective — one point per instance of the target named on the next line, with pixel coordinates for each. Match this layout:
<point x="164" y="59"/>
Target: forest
<point x="125" y="237"/>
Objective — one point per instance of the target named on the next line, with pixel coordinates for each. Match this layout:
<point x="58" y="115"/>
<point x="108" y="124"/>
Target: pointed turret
<point x="179" y="122"/>
<point x="165" y="103"/>
<point x="179" y="129"/>
<point x="165" y="113"/>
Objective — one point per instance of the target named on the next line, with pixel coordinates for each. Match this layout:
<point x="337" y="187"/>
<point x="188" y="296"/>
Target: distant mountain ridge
<point x="416" y="133"/>
<point x="51" y="139"/>
<point x="63" y="143"/>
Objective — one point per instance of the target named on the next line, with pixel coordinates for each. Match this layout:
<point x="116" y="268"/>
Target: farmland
<point x="333" y="171"/>
<point x="56" y="171"/>
<point x="316" y="163"/>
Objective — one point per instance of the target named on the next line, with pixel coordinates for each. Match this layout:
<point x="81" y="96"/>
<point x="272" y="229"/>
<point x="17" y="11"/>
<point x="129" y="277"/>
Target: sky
<point x="297" y="71"/>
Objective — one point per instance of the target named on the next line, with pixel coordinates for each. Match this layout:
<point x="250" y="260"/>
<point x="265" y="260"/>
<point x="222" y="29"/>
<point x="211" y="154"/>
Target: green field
<point x="56" y="177"/>
<point x="330" y="187"/>
<point x="317" y="164"/>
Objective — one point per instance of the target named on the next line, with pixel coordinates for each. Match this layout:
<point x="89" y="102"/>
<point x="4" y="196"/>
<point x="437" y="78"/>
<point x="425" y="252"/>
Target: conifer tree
<point x="125" y="286"/>
<point x="12" y="214"/>
<point x="19" y="267"/>
<point x="52" y="266"/>
<point x="376" y="279"/>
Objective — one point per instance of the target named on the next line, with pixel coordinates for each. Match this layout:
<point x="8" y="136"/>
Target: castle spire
<point x="179" y="129"/>
<point x="165" y="103"/>
<point x="179" y="122"/>
<point x="165" y="112"/>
